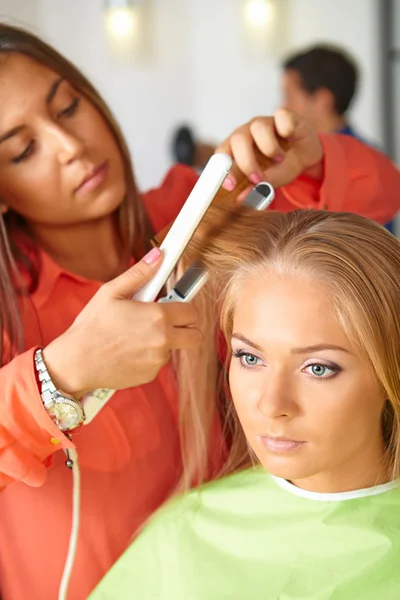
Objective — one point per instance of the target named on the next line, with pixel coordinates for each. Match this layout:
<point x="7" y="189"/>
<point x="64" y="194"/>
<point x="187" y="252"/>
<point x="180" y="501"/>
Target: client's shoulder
<point x="216" y="497"/>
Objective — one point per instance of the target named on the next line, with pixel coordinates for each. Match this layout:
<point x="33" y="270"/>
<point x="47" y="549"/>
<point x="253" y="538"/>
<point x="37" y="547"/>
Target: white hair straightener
<point x="175" y="244"/>
<point x="184" y="290"/>
<point x="195" y="277"/>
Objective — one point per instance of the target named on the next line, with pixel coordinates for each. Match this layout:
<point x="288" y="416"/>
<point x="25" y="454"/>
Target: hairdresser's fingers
<point x="247" y="145"/>
<point x="262" y="135"/>
<point x="180" y="314"/>
<point x="184" y="338"/>
<point x="280" y="174"/>
<point x="305" y="151"/>
<point x="126" y="284"/>
<point x="240" y="148"/>
<point x="287" y="124"/>
<point x="265" y="138"/>
<point x="284" y="167"/>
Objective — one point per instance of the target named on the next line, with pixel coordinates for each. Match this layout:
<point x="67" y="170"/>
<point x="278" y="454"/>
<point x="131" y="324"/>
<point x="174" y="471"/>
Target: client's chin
<point x="291" y="466"/>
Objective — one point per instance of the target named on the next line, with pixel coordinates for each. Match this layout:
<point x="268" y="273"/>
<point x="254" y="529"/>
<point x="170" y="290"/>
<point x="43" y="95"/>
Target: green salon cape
<point x="255" y="537"/>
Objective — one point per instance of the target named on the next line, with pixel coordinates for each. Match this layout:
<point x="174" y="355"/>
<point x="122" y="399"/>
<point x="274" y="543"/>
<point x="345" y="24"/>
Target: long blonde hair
<point x="356" y="260"/>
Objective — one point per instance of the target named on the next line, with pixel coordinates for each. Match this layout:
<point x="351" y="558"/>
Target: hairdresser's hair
<point x="134" y="225"/>
<point x="357" y="260"/>
<point x="326" y="67"/>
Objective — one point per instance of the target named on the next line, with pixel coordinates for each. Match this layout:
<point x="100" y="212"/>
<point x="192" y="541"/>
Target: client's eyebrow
<point x="305" y="350"/>
<point x="318" y="348"/>
<point x="245" y="340"/>
<point x="49" y="97"/>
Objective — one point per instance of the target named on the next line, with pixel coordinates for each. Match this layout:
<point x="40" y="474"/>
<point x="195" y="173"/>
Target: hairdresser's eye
<point x="71" y="109"/>
<point x="246" y="359"/>
<point x="321" y="371"/>
<point x="25" y="154"/>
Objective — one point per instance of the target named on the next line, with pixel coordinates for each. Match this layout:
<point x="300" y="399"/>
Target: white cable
<point x="73" y="540"/>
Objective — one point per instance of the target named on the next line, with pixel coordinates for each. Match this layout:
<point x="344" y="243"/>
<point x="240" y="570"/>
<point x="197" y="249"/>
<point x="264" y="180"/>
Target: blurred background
<point x="213" y="64"/>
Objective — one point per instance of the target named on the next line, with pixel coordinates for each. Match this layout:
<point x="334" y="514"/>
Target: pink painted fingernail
<point x="152" y="256"/>
<point x="229" y="184"/>
<point x="255" y="178"/>
<point x="279" y="158"/>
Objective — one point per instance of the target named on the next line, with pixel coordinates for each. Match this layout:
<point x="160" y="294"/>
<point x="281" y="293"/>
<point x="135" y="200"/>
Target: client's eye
<point x="322" y="371"/>
<point x="247" y="360"/>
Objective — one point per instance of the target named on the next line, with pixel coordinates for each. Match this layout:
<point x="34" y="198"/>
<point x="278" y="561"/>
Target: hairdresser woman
<point x="71" y="220"/>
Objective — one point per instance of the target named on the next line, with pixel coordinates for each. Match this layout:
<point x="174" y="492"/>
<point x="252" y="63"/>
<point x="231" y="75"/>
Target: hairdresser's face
<point x="59" y="163"/>
<point x="309" y="405"/>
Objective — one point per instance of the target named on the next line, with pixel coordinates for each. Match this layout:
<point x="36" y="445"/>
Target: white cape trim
<point x="336" y="497"/>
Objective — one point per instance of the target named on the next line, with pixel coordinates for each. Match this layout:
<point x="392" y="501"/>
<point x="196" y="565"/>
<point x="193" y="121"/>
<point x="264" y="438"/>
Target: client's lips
<point x="280" y="444"/>
<point x="94" y="178"/>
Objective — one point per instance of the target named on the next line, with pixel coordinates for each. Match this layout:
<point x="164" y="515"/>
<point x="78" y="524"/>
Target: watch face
<point x="67" y="412"/>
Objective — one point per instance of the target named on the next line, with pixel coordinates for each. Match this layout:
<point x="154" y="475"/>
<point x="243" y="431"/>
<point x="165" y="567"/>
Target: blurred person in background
<point x="320" y="84"/>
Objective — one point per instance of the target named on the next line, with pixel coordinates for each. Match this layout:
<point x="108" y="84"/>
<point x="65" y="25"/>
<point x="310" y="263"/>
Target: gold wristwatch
<point x="64" y="410"/>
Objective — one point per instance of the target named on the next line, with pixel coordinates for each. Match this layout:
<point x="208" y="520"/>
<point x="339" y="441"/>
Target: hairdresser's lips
<point x="280" y="444"/>
<point x="94" y="178"/>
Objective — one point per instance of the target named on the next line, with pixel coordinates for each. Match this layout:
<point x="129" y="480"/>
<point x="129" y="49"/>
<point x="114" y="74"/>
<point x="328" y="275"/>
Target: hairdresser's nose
<point x="278" y="396"/>
<point x="68" y="145"/>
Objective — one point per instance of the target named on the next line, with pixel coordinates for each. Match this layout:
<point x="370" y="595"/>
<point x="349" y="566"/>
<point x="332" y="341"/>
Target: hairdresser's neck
<point x="91" y="250"/>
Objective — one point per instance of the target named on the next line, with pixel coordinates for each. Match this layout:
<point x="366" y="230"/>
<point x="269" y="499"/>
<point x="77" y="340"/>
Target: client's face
<point x="309" y="405"/>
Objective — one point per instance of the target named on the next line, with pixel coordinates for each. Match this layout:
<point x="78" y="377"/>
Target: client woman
<point x="309" y="304"/>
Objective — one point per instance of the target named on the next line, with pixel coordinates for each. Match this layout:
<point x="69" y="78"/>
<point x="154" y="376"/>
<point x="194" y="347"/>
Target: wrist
<point x="65" y="411"/>
<point x="63" y="366"/>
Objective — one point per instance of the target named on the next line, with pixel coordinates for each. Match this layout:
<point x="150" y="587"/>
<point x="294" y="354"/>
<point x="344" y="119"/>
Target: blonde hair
<point x="355" y="259"/>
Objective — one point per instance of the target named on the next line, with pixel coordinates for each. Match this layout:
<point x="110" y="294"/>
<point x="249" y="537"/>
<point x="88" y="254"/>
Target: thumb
<point x="282" y="174"/>
<point x="286" y="122"/>
<point x="125" y="285"/>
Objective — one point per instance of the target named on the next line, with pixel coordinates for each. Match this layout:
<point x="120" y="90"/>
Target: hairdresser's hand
<point x="118" y="343"/>
<point x="260" y="135"/>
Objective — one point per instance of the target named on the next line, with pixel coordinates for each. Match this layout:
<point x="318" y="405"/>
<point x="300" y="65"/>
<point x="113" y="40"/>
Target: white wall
<point x="228" y="86"/>
<point x="200" y="72"/>
<point x="22" y="12"/>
